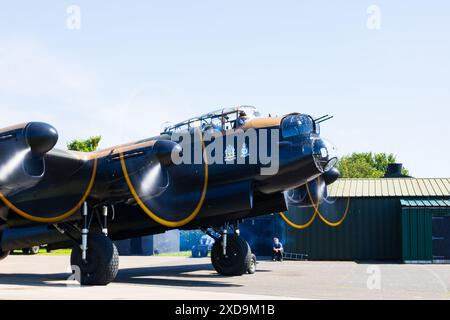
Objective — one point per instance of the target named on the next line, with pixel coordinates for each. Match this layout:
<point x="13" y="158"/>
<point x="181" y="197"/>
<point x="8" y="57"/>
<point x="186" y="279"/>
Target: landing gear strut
<point x="231" y="254"/>
<point x="96" y="260"/>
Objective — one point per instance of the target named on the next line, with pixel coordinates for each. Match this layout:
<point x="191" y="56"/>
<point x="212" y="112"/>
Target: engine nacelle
<point x="22" y="150"/>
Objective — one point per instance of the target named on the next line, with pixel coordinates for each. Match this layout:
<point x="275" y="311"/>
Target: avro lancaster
<point x="209" y="172"/>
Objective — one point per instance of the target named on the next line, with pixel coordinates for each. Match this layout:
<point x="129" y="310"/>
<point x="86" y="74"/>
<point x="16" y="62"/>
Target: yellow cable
<point x="317" y="212"/>
<point x="316" y="207"/>
<point x="151" y="214"/>
<point x="299" y="226"/>
<point x="60" y="217"/>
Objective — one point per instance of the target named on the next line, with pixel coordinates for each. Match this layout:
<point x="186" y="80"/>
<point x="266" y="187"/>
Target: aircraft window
<point x="195" y="124"/>
<point x="207" y="125"/>
<point x="216" y="124"/>
<point x="250" y="112"/>
<point x="183" y="127"/>
<point x="242" y="118"/>
<point x="295" y="125"/>
<point x="166" y="126"/>
<point x="225" y="119"/>
<point x="230" y="122"/>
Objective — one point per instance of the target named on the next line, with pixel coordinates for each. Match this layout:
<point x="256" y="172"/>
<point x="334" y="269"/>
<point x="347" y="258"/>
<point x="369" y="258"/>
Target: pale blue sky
<point x="136" y="64"/>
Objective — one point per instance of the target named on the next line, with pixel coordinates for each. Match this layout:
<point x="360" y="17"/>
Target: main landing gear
<point x="231" y="254"/>
<point x="101" y="264"/>
<point x="96" y="260"/>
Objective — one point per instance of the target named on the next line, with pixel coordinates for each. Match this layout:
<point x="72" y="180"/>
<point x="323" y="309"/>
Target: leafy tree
<point x="87" y="145"/>
<point x="366" y="165"/>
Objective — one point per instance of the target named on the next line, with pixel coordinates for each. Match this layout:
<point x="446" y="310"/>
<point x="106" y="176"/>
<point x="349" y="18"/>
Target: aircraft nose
<point x="324" y="153"/>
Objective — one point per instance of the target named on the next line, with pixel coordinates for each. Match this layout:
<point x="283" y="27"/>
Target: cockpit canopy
<point x="298" y="125"/>
<point x="222" y="119"/>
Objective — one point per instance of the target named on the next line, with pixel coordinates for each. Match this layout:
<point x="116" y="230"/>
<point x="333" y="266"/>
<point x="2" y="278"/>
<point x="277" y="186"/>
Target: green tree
<point x="87" y="145"/>
<point x="366" y="165"/>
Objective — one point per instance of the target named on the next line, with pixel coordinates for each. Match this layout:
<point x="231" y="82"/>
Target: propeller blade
<point x="169" y="194"/>
<point x="308" y="195"/>
<point x="155" y="181"/>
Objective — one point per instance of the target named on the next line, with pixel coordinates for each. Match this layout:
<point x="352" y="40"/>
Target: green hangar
<point x="387" y="219"/>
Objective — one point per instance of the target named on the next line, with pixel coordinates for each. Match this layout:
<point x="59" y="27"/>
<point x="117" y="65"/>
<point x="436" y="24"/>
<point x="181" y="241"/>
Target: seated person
<point x="241" y="120"/>
<point x="224" y="120"/>
<point x="277" y="250"/>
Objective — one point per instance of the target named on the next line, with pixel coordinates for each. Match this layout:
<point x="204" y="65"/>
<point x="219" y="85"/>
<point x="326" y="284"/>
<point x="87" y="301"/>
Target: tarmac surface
<point x="180" y="278"/>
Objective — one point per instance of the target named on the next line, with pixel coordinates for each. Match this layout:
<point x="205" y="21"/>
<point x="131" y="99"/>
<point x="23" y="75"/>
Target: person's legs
<point x="277" y="256"/>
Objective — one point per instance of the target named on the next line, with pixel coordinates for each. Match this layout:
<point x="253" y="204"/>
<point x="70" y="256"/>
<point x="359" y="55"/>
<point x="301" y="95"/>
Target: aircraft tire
<point x="238" y="258"/>
<point x="102" y="261"/>
<point x="252" y="267"/>
<point x="35" y="250"/>
<point x="3" y="254"/>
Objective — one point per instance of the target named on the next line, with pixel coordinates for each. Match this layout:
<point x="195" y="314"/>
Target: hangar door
<point x="441" y="238"/>
<point x="425" y="231"/>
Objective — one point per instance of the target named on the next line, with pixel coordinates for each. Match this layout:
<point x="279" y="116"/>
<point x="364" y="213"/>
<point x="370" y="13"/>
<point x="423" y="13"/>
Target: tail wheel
<point x="31" y="250"/>
<point x="35" y="250"/>
<point x="252" y="266"/>
<point x="237" y="260"/>
<point x="102" y="263"/>
<point x="3" y="254"/>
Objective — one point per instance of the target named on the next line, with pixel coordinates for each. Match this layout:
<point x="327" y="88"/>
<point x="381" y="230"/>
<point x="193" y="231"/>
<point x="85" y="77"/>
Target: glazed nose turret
<point x="324" y="154"/>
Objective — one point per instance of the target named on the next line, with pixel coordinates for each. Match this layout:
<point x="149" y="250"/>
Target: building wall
<point x="135" y="246"/>
<point x="259" y="233"/>
<point x="167" y="242"/>
<point x="426" y="234"/>
<point x="189" y="238"/>
<point x="417" y="231"/>
<point x="371" y="231"/>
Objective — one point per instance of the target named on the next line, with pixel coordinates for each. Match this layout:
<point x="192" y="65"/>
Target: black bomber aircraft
<point x="85" y="201"/>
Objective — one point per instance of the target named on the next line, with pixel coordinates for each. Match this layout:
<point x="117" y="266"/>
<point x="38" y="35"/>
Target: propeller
<point x="313" y="192"/>
<point x="42" y="187"/>
<point x="312" y="195"/>
<point x="170" y="194"/>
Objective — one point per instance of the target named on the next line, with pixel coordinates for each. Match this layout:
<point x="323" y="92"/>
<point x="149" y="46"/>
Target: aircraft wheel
<point x="102" y="263"/>
<point x="237" y="260"/>
<point x="35" y="250"/>
<point x="3" y="254"/>
<point x="26" y="250"/>
<point x="252" y="266"/>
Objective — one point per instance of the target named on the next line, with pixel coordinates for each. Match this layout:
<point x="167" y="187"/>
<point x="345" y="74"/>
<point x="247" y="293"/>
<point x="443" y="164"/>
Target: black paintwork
<point x="47" y="183"/>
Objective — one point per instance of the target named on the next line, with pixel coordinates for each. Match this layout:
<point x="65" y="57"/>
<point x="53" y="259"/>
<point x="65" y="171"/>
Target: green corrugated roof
<point x="390" y="187"/>
<point x="425" y="203"/>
